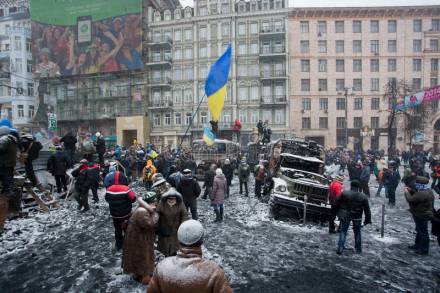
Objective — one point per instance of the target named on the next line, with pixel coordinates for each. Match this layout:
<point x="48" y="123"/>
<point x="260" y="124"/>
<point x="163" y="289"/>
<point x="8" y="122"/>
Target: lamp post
<point x="346" y="89"/>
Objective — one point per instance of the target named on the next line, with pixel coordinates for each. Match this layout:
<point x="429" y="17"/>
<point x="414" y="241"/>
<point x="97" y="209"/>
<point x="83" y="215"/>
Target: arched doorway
<point x="437" y="136"/>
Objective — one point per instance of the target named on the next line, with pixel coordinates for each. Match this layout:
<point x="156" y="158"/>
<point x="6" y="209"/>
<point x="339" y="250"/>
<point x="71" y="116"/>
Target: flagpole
<point x="192" y="119"/>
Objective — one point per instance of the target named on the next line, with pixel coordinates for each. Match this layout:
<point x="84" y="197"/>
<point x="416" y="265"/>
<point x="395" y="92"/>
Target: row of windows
<point x="340" y="122"/>
<point x="374" y="46"/>
<point x="30" y="113"/>
<point x="357" y="84"/>
<point x="339" y="26"/>
<point x="340" y="104"/>
<point x="7" y="91"/>
<point x="17" y="66"/>
<point x="374" y="65"/>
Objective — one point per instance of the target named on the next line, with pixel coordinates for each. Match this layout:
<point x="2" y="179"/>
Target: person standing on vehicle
<point x="350" y="207"/>
<point x="190" y="190"/>
<point x="244" y="171"/>
<point x="228" y="171"/>
<point x="209" y="181"/>
<point x="335" y="190"/>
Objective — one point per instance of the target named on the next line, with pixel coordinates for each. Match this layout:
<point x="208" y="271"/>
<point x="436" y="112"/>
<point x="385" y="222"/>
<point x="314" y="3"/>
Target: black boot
<point x="217" y="216"/>
<point x="85" y="201"/>
<point x="221" y="214"/>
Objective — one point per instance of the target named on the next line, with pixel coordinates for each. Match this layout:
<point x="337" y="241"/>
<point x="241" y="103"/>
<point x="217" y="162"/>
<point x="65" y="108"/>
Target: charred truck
<point x="297" y="168"/>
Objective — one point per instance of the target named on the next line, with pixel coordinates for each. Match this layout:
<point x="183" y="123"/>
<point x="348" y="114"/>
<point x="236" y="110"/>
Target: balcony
<point x="160" y="41"/>
<point x="273" y="74"/>
<point x="273" y="100"/>
<point x="272" y="51"/>
<point x="272" y="31"/>
<point x="159" y="61"/>
<point x="159" y="82"/>
<point x="431" y="50"/>
<point x="160" y="105"/>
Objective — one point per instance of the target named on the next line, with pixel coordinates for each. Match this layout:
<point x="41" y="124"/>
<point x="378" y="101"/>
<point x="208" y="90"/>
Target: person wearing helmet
<point x="188" y="272"/>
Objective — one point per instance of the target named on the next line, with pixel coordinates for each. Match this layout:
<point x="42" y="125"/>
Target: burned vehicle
<point x="298" y="183"/>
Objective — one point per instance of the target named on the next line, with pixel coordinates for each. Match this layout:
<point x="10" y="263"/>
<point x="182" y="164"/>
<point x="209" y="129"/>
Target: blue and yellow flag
<point x="215" y="87"/>
<point x="208" y="137"/>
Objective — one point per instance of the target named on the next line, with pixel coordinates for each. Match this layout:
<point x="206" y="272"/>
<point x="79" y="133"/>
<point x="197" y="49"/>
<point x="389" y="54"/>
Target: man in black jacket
<point x="57" y="165"/>
<point x="350" y="207"/>
<point x="69" y="142"/>
<point x="30" y="152"/>
<point x="228" y="170"/>
<point x="209" y="180"/>
<point x="190" y="190"/>
<point x="100" y="148"/>
<point x="81" y="191"/>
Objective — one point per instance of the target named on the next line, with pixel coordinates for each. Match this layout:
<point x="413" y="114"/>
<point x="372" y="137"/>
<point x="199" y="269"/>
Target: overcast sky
<point x="351" y="3"/>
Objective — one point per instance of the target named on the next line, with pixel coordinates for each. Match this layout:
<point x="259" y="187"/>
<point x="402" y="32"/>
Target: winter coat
<point x="57" y="164"/>
<point x="170" y="219"/>
<point x="174" y="179"/>
<point x="421" y="203"/>
<point x="138" y="248"/>
<point x="335" y="190"/>
<point x="100" y="145"/>
<point x="8" y="151"/>
<point x="115" y="177"/>
<point x="31" y="146"/>
<point x="148" y="171"/>
<point x="219" y="189"/>
<point x="120" y="199"/>
<point x="188" y="272"/>
<point x="69" y="141"/>
<point x="354" y="173"/>
<point x="92" y="176"/>
<point x="351" y="205"/>
<point x="260" y="173"/>
<point x="365" y="174"/>
<point x="209" y="178"/>
<point x="243" y="172"/>
<point x="189" y="188"/>
<point x="80" y="174"/>
<point x="391" y="178"/>
<point x="228" y="170"/>
<point x="436" y="223"/>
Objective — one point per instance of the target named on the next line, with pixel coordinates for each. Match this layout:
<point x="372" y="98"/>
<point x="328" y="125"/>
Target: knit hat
<point x="186" y="172"/>
<point x="158" y="182"/>
<point x="190" y="232"/>
<point x="4" y="130"/>
<point x="218" y="171"/>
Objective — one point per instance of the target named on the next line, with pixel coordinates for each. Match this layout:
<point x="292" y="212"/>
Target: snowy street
<point x="67" y="251"/>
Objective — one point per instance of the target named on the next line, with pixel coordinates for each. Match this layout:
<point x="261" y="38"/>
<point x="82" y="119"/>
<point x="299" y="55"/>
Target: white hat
<point x="98" y="134"/>
<point x="218" y="171"/>
<point x="190" y="232"/>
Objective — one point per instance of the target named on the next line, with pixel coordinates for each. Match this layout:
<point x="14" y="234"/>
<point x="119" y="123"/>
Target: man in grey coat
<point x="365" y="179"/>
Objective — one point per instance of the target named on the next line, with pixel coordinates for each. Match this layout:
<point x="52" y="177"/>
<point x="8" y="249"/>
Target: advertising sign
<point x="411" y="101"/>
<point x="86" y="37"/>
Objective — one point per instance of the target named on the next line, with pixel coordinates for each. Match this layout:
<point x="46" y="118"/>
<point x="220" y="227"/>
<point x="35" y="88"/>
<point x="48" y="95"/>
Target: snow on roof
<point x="310" y="159"/>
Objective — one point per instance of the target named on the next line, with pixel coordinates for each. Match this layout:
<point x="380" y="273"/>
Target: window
<point x="304" y="46"/>
<point x="188" y="53"/>
<point x="243" y="93"/>
<point x="357" y="26"/>
<point x="374" y="46"/>
<point x="203" y="52"/>
<point x="322" y="27"/>
<point x="30" y="89"/>
<point x="177" y="35"/>
<point x="306" y="123"/>
<point x="225" y="8"/>
<point x="417" y="25"/>
<point x="392" y="64"/>
<point x="339" y="26"/>
<point x="20" y="111"/>
<point x="18" y="65"/>
<point x="322" y="84"/>
<point x="357" y="46"/>
<point x="156" y="120"/>
<point x="167" y="119"/>
<point x="167" y="15"/>
<point x="305" y="65"/>
<point x="339" y="44"/>
<point x="29" y="66"/>
<point x="241" y="29"/>
<point x="188" y="96"/>
<point x="243" y="116"/>
<point x="357" y="122"/>
<point x="255" y="116"/>
<point x="323" y="122"/>
<point x="304" y="26"/>
<point x="17" y="43"/>
<point x="280" y="116"/>
<point x="177" y="74"/>
<point x="322" y="46"/>
<point x="306" y="104"/>
<point x="177" y="118"/>
<point x="29" y="45"/>
<point x="374" y="122"/>
<point x="322" y="65"/>
<point x="254" y="28"/>
<point x="225" y="30"/>
<point x="375" y="84"/>
<point x="178" y="54"/>
<point x="340" y="122"/>
<point x="392" y="26"/>
<point x="340" y="84"/>
<point x="323" y="104"/>
<point x="202" y="33"/>
<point x="203" y="11"/>
<point x="433" y="45"/>
<point x="375" y="103"/>
<point x="188" y="118"/>
<point x="417" y="46"/>
<point x="31" y="111"/>
<point x="417" y="65"/>
<point x="392" y="46"/>
<point x="340" y="104"/>
<point x="374" y="65"/>
<point x="357" y="65"/>
<point x="434" y="82"/>
<point x="357" y="84"/>
<point x="305" y="85"/>
<point x="435" y="25"/>
<point x="188" y="35"/>
<point x="340" y="65"/>
<point x="357" y="104"/>
<point x="242" y="49"/>
<point x="374" y="26"/>
<point x="417" y="83"/>
<point x="204" y="118"/>
<point x="189" y="73"/>
<point x="434" y="64"/>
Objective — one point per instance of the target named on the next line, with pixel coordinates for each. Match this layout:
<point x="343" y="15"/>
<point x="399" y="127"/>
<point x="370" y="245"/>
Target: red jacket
<point x="335" y="190"/>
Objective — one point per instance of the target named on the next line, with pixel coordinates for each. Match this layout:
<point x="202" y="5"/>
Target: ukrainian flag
<point x="208" y="137"/>
<point x="215" y="86"/>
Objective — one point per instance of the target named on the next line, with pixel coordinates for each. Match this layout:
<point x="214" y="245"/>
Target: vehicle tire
<point x="274" y="211"/>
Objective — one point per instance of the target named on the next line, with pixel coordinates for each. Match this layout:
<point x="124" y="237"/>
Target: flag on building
<point x="216" y="84"/>
<point x="208" y="137"/>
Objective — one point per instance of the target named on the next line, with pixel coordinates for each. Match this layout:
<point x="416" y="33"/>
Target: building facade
<point x="17" y="99"/>
<point x="354" y="52"/>
<point x="184" y="42"/>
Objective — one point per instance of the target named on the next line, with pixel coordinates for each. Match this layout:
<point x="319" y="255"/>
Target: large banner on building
<point x="86" y="37"/>
<point x="416" y="99"/>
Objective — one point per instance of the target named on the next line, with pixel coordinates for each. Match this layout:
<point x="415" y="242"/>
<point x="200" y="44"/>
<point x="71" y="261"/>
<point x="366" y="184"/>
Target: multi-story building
<point x="184" y="43"/>
<point x="17" y="100"/>
<point x="357" y="51"/>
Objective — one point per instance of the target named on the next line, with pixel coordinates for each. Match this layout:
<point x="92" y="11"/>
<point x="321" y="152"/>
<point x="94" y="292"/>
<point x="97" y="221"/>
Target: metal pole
<point x="305" y="209"/>
<point x="346" y="117"/>
<point x="192" y="119"/>
<point x="382" y="228"/>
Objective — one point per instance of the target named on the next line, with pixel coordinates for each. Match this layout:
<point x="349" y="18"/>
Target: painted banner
<point x="86" y="37"/>
<point x="406" y="102"/>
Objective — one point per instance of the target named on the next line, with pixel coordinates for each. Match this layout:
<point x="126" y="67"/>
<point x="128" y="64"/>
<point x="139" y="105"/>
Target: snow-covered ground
<point x="67" y="251"/>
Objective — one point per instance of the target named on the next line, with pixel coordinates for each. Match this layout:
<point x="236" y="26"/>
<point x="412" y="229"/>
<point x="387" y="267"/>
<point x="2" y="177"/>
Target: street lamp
<point x="346" y="89"/>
